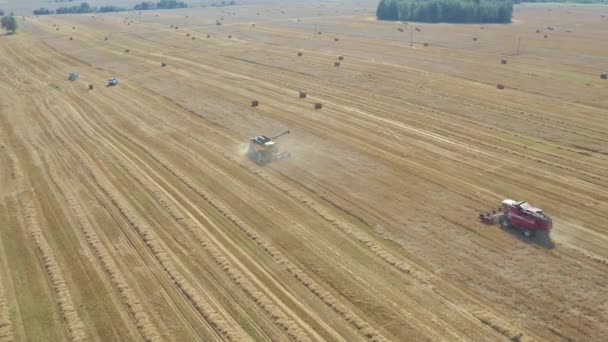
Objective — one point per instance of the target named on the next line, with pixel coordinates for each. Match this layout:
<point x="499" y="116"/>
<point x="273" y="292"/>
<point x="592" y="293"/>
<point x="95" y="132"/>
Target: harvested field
<point x="132" y="213"/>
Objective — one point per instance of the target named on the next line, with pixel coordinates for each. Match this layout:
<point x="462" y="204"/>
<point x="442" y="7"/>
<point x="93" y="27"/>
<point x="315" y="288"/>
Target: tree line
<point x="162" y="4"/>
<point x="86" y="8"/>
<point x="447" y="11"/>
<point x="562" y="1"/>
<point x="8" y="22"/>
<point x="82" y="8"/>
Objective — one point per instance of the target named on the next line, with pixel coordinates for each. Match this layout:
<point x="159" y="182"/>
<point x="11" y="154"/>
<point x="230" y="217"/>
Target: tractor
<point x="519" y="215"/>
<point x="262" y="149"/>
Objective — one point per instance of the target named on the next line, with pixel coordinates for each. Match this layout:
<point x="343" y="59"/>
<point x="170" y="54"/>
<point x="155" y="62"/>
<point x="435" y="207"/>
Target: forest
<point x="447" y="11"/>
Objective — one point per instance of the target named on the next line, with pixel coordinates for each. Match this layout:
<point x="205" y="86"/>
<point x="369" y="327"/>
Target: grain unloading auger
<point x="263" y="149"/>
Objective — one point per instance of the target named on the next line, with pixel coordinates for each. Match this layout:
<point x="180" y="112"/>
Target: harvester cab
<point x="263" y="149"/>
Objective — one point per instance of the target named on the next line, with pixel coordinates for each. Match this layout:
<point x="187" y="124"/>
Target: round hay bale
<point x="500" y="86"/>
<point x="91" y="87"/>
<point x="474" y="39"/>
<point x="255" y="103"/>
<point x="337" y="63"/>
<point x="71" y="38"/>
<point x="545" y="36"/>
<point x="604" y="76"/>
<point x="208" y="36"/>
<point x="73" y="27"/>
<point x="252" y="25"/>
<point x="426" y="44"/>
<point x="58" y="29"/>
<point x="303" y="95"/>
<point x="418" y="29"/>
<point x="163" y="65"/>
<point x="193" y="38"/>
<point x="503" y="61"/>
<point x="105" y="38"/>
<point x="340" y="58"/>
<point x="187" y="34"/>
<point x="320" y="32"/>
<point x="400" y="29"/>
<point x="171" y="26"/>
<point x="127" y="51"/>
<point x="318" y="105"/>
<point x="537" y="31"/>
<point x="300" y="54"/>
<point x="230" y="37"/>
<point x="336" y="39"/>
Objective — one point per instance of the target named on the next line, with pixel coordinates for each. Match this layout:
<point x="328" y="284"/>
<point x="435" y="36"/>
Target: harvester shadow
<point x="540" y="239"/>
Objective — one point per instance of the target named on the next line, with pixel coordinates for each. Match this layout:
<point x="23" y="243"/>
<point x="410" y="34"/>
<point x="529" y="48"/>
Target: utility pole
<point x="411" y="37"/>
<point x="518" y="44"/>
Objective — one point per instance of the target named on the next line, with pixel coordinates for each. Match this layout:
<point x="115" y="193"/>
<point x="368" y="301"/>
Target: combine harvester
<point x="262" y="149"/>
<point x="520" y="215"/>
<point x="112" y="82"/>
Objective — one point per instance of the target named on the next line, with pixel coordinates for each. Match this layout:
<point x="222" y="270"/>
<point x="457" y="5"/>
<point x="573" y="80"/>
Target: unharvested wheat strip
<point x="62" y="294"/>
<point x="368" y="243"/>
<point x="6" y="326"/>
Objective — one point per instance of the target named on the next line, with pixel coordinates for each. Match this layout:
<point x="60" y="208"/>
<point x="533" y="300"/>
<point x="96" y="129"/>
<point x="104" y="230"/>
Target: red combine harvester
<point x="519" y="215"/>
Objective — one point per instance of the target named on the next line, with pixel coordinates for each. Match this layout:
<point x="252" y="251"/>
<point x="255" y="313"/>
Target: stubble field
<point x="131" y="212"/>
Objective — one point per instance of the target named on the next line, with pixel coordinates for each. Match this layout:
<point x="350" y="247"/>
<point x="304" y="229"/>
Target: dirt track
<point x="130" y="213"/>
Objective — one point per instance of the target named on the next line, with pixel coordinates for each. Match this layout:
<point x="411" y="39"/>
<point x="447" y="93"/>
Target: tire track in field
<point x="217" y="148"/>
<point x="366" y="66"/>
<point x="117" y="109"/>
<point x="328" y="91"/>
<point x="128" y="296"/>
<point x="6" y="325"/>
<point x="452" y="96"/>
<point x="213" y="248"/>
<point x="376" y="109"/>
<point x="363" y="327"/>
<point x="202" y="306"/>
<point x="158" y="252"/>
<point x="492" y="201"/>
<point x="158" y="159"/>
<point x="361" y="237"/>
<point x="76" y="150"/>
<point x="184" y="287"/>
